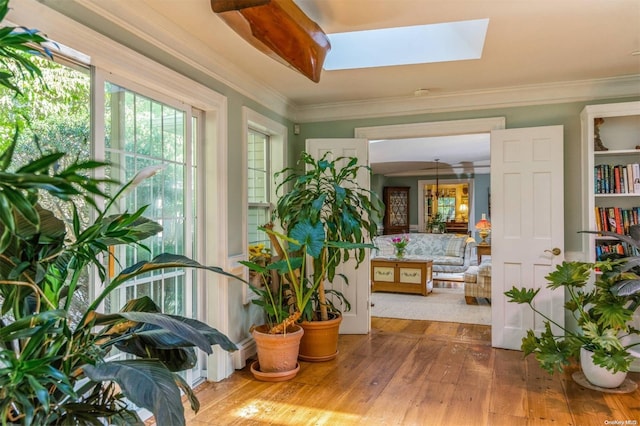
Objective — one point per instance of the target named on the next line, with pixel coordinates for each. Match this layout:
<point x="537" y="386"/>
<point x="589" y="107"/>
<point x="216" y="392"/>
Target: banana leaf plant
<point x="56" y="367"/>
<point x="325" y="195"/>
<point x="290" y="294"/>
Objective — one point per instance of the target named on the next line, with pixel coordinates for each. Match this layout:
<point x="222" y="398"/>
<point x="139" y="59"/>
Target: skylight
<point x="453" y="41"/>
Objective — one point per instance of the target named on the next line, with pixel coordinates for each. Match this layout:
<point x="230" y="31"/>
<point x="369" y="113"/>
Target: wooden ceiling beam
<point x="280" y="29"/>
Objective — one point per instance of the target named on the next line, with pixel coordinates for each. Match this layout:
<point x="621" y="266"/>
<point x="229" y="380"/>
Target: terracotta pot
<point x="277" y="352"/>
<point x="320" y="340"/>
<point x="597" y="375"/>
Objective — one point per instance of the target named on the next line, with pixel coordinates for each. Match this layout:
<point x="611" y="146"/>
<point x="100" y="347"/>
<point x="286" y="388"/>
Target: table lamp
<point x="483" y="226"/>
<point x="463" y="211"/>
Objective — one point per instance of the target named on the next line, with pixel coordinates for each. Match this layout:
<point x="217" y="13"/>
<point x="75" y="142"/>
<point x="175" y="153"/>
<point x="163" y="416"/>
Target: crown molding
<point x="539" y="94"/>
<point x="195" y="54"/>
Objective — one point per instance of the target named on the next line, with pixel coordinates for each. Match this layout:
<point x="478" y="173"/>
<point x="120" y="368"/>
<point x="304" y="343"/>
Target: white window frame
<point x="278" y="135"/>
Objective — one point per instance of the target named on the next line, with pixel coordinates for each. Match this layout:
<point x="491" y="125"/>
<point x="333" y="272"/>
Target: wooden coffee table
<point x="401" y="275"/>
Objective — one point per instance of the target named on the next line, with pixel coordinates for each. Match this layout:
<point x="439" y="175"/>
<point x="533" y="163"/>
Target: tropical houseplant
<point x="602" y="316"/>
<point x="55" y="365"/>
<point x="323" y="197"/>
<point x="285" y="290"/>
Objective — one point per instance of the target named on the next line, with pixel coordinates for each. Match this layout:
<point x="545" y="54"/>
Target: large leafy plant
<point x="323" y="202"/>
<point x="602" y="315"/>
<point x="55" y="368"/>
<point x="289" y="290"/>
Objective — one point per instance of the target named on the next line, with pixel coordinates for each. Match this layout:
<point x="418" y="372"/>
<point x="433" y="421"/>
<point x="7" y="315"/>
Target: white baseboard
<point x="246" y="350"/>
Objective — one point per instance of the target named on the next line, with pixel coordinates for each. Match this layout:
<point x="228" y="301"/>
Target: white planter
<point x="599" y="376"/>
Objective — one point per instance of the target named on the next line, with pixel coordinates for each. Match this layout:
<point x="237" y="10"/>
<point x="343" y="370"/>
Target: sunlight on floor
<point x="260" y="410"/>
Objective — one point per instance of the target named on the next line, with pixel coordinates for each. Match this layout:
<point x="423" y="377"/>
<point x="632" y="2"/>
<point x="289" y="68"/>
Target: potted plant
<point x="285" y="290"/>
<point x="436" y="224"/>
<point x="325" y="197"/>
<point x="602" y="316"/>
<point x="54" y="357"/>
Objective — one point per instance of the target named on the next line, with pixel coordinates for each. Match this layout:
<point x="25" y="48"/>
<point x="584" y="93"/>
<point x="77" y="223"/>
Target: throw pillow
<point x="455" y="247"/>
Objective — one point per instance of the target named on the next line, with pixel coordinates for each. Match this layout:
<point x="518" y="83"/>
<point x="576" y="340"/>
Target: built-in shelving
<point x="609" y="208"/>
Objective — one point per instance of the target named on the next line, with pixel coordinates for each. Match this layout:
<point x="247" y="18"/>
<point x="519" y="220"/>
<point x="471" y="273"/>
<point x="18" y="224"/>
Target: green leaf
<point x="147" y="384"/>
<point x="20" y="202"/>
<point x="626" y="287"/>
<point x="523" y="295"/>
<point x="162" y="261"/>
<point x="614" y="362"/>
<point x="570" y="274"/>
<point x="183" y="331"/>
<point x="310" y="236"/>
<point x="613" y="315"/>
<point x="606" y="339"/>
<point x="186" y="389"/>
<point x="41" y="164"/>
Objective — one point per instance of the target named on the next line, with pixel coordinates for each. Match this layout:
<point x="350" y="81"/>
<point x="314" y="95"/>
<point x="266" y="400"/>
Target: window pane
<point x="258" y="216"/>
<point x="257" y="163"/>
<point x="144" y="133"/>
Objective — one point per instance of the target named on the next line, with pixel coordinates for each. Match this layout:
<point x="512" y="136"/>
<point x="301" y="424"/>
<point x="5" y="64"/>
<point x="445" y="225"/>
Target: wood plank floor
<point x="415" y="373"/>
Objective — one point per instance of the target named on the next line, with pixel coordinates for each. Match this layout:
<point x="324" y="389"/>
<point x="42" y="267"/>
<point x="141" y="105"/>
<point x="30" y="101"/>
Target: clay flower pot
<point x="277" y="353"/>
<point x="320" y="340"/>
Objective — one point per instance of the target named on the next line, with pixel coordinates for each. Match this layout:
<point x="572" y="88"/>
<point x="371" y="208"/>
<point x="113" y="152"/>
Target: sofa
<point x="450" y="253"/>
<point x="477" y="281"/>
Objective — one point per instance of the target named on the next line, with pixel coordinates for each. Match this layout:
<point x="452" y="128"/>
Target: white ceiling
<point x="536" y="52"/>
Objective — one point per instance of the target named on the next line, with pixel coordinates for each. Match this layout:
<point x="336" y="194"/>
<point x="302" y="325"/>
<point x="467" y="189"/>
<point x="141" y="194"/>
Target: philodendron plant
<point x="55" y="366"/>
<point x="602" y="317"/>
<point x="604" y="314"/>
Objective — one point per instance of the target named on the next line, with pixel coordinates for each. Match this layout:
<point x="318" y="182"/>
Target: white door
<point x="357" y="292"/>
<point x="527" y="218"/>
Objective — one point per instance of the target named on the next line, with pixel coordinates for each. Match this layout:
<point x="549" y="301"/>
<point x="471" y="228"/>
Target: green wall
<point x="565" y="114"/>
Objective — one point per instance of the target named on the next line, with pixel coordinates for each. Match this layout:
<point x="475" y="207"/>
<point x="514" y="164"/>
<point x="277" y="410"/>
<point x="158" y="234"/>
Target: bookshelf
<point x="611" y="178"/>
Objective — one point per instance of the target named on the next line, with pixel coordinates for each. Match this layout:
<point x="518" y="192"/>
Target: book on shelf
<point x="616" y="219"/>
<point x="619" y="248"/>
<point x="616" y="179"/>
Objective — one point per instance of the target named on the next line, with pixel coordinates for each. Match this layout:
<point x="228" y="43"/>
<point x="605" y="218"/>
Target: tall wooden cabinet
<point x="396" y="212"/>
<point x="611" y="187"/>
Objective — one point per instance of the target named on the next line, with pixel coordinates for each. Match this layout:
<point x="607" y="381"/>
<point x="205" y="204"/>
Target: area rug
<point x="443" y="304"/>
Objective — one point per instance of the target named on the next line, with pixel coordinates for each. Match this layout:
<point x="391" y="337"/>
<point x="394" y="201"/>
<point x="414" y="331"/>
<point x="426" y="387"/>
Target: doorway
<point x="433" y="129"/>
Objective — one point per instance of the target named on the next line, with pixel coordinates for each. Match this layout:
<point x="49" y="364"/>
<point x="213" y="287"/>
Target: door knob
<point x="555" y="251"/>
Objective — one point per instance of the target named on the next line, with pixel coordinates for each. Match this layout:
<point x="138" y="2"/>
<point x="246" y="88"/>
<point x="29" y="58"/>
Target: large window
<point x="142" y="132"/>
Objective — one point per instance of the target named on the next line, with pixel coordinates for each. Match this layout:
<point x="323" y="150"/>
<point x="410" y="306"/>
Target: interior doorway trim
<point x="435" y="128"/>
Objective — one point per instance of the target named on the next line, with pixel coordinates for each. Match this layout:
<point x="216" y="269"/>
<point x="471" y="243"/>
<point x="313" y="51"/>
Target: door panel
<point x="357" y="292"/>
<point x="527" y="223"/>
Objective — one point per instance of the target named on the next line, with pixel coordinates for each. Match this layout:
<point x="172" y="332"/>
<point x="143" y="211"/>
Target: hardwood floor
<point x="409" y="372"/>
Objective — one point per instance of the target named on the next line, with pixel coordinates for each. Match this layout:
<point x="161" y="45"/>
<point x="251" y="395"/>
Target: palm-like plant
<point x="323" y="202"/>
<point x="55" y="369"/>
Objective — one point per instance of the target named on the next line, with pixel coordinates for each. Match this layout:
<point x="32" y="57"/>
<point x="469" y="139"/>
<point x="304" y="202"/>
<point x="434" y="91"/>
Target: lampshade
<point x="483" y="226"/>
<point x="464" y="208"/>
